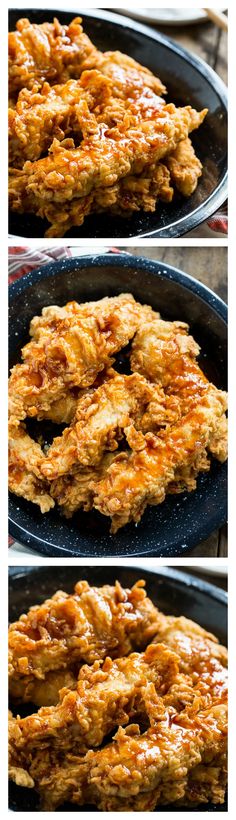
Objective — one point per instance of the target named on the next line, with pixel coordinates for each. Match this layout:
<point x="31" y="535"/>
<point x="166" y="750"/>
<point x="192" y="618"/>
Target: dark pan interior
<point x="173" y="592"/>
<point x="189" y="81"/>
<point x="182" y="521"/>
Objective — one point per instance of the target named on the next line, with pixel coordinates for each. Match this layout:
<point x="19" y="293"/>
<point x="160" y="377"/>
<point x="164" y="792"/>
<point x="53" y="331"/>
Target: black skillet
<point x="189" y="80"/>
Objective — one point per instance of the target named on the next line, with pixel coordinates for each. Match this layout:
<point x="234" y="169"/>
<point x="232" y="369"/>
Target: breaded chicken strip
<point x="42" y="113"/>
<point x="85" y="626"/>
<point x="70" y="346"/>
<point x="141" y="477"/>
<point x="73" y="109"/>
<point x="25" y="479"/>
<point x="74" y="491"/>
<point x="193" y="644"/>
<point x="62" y="411"/>
<point x="44" y="691"/>
<point x="99" y="421"/>
<point x="49" y="52"/>
<point x="202" y="663"/>
<point x="137" y="771"/>
<point x="185" y="167"/>
<point x="157" y="761"/>
<point x="137" y="193"/>
<point x="129" y="195"/>
<point x="207" y="782"/>
<point x="46" y="186"/>
<point x="107" y="695"/>
<point x="129" y="79"/>
<point x="57" y="53"/>
<point x="165" y="353"/>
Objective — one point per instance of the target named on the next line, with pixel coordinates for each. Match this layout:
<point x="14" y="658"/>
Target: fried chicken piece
<point x="101" y="310"/>
<point x="158" y="760"/>
<point x="131" y="194"/>
<point x="137" y="772"/>
<point x="45" y="187"/>
<point x="191" y="642"/>
<point x="73" y="108"/>
<point x="24" y="474"/>
<point x="129" y="78"/>
<point x="99" y="421"/>
<point x="70" y="346"/>
<point x="139" y="478"/>
<point x="85" y="626"/>
<point x="56" y="53"/>
<point x="166" y="354"/>
<point x="74" y="490"/>
<point x="207" y="783"/>
<point x="63" y="410"/>
<point x="49" y="52"/>
<point x="202" y="663"/>
<point x="185" y="167"/>
<point x="42" y="113"/>
<point x="43" y="691"/>
<point x="134" y="193"/>
<point x="107" y="695"/>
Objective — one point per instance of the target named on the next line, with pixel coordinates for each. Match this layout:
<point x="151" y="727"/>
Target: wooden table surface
<point x="204" y="39"/>
<point x="209" y="265"/>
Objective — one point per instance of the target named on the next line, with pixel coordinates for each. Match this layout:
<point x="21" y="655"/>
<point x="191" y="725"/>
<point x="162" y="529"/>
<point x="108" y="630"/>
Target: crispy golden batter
<point x="57" y="53"/>
<point x="100" y="420"/>
<point x="74" y="490"/>
<point x="131" y="193"/>
<point x="25" y="478"/>
<point x="140" y="771"/>
<point x="107" y="695"/>
<point x="73" y="108"/>
<point x="69" y="347"/>
<point x="99" y="162"/>
<point x="185" y="168"/>
<point x="129" y="79"/>
<point x="141" y="477"/>
<point x="49" y="52"/>
<point x="166" y="352"/>
<point x="164" y="753"/>
<point x="46" y="112"/>
<point x="43" y="691"/>
<point x="86" y="626"/>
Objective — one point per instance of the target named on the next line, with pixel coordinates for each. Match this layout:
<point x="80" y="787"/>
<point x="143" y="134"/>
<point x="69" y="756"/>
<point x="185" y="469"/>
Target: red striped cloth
<point x="22" y="260"/>
<point x="219" y="222"/>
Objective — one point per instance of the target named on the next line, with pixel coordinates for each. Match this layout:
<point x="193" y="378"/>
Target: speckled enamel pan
<point x="181" y="521"/>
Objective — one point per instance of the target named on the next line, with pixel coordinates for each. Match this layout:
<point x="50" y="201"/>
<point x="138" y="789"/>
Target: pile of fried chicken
<point x="89" y="131"/>
<point x="129" y="439"/>
<point x="132" y="703"/>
